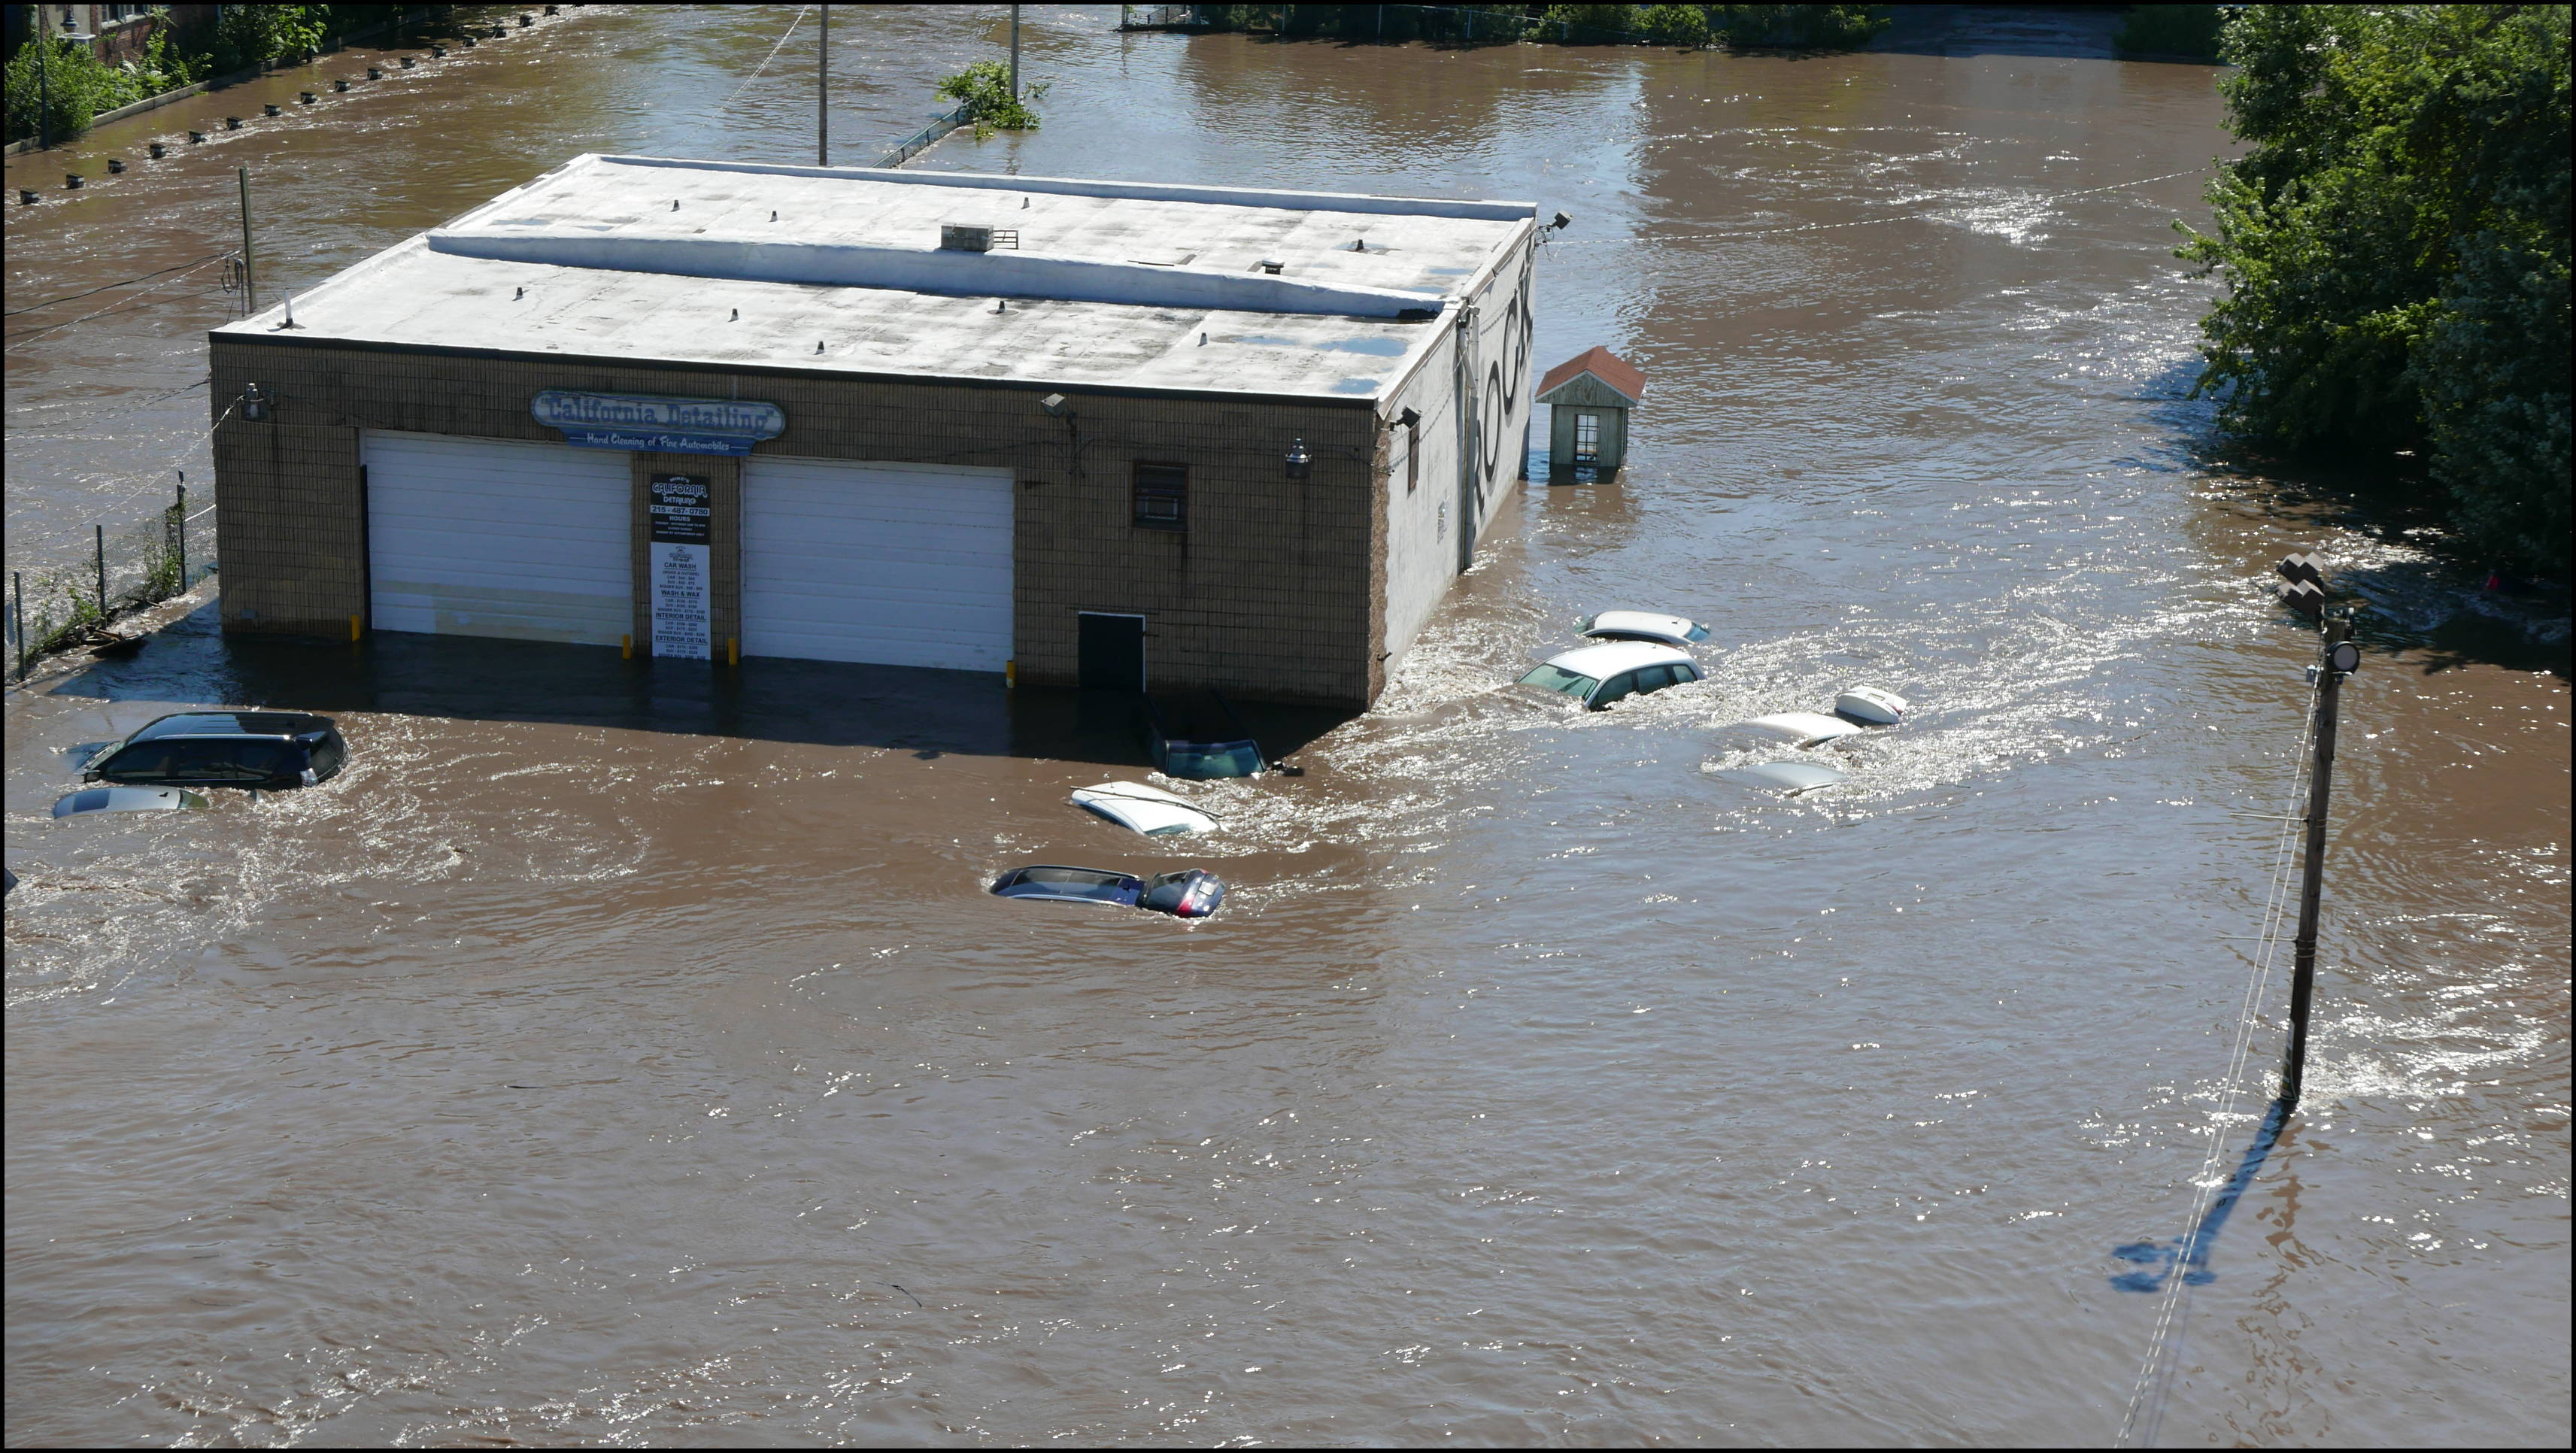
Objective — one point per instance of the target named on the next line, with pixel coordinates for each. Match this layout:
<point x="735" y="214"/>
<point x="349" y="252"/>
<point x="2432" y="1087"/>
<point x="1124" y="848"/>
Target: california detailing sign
<point x="652" y="425"/>
<point x="680" y="509"/>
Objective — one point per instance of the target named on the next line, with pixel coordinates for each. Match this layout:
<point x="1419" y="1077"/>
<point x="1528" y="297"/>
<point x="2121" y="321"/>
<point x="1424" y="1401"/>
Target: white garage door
<point x="491" y="537"/>
<point x="897" y="564"/>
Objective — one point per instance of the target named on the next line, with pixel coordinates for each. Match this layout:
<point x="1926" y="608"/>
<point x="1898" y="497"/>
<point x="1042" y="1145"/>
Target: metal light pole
<point x="823" y="93"/>
<point x="1015" y="54"/>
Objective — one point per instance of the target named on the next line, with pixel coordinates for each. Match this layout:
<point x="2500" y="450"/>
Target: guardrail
<point x="922" y="140"/>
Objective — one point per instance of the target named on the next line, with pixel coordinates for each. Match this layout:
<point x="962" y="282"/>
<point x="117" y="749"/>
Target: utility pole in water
<point x="2337" y="658"/>
<point x="1015" y="53"/>
<point x="823" y="93"/>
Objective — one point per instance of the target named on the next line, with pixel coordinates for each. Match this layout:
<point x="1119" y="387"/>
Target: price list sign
<point x="680" y="514"/>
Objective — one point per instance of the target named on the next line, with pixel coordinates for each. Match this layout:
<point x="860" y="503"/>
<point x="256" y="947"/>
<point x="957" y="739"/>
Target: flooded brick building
<point x="1109" y="433"/>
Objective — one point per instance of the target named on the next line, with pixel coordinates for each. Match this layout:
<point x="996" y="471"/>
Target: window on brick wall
<point x="1162" y="496"/>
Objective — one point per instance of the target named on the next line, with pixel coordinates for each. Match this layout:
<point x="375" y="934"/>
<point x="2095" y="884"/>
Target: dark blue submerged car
<point x="1189" y="893"/>
<point x="224" y="749"/>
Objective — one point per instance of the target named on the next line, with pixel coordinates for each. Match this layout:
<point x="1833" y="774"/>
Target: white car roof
<point x="1675" y="629"/>
<point x="1788" y="777"/>
<point x="1802" y="727"/>
<point x="1139" y="808"/>
<point x="1610" y="658"/>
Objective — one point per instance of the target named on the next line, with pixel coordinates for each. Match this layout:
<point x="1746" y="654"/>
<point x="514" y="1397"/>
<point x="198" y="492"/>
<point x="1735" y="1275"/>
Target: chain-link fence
<point x="70" y="603"/>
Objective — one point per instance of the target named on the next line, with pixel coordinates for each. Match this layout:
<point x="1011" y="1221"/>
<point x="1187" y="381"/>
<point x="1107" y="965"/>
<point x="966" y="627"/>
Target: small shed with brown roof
<point x="1591" y="394"/>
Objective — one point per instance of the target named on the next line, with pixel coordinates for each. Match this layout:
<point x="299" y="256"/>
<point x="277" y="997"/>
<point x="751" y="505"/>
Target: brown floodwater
<point x="630" y="1054"/>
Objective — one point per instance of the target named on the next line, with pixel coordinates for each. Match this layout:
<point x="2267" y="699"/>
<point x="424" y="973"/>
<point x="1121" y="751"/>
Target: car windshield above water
<point x="1552" y="677"/>
<point x="1092" y="885"/>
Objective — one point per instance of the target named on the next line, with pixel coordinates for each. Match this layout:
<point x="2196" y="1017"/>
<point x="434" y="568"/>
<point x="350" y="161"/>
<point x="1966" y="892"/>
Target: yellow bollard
<point x="353" y="630"/>
<point x="733" y="650"/>
<point x="1010" y="673"/>
<point x="626" y="648"/>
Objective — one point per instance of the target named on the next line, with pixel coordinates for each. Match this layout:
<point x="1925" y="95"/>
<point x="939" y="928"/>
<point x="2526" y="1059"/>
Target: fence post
<point x="18" y="605"/>
<point x="102" y="570"/>
<point x="183" y="534"/>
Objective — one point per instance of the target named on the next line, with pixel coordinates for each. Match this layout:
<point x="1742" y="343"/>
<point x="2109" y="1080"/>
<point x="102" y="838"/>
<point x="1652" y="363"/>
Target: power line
<point x="798" y="19"/>
<point x="134" y="301"/>
<point x="103" y="287"/>
<point x="2144" y="1416"/>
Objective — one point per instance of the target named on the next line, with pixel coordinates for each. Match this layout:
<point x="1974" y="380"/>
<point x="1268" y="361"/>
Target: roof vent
<point x="976" y="237"/>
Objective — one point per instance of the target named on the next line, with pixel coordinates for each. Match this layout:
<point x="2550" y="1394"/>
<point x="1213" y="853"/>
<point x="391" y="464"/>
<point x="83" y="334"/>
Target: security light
<point x="1056" y="406"/>
<point x="254" y="404"/>
<point x="1300" y="463"/>
<point x="1409" y="418"/>
<point x="2345" y="657"/>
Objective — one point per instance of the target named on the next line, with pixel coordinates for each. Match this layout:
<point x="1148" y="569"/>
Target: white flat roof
<point x="839" y="270"/>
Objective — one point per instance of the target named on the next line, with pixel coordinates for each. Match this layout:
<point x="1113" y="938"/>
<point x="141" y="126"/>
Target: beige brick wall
<point x="1275" y="591"/>
<point x="292" y="545"/>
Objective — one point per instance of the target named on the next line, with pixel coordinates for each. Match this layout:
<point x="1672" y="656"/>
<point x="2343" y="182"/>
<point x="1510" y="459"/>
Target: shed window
<point x="1162" y="496"/>
<point x="1587" y="436"/>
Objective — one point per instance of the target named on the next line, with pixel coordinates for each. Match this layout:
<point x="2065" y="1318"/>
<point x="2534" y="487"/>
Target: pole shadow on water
<point x="468" y="678"/>
<point x="2190" y="1255"/>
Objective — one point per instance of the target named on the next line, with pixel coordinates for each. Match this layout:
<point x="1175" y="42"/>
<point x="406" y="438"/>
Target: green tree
<point x="70" y="88"/>
<point x="985" y="88"/>
<point x="2394" y="245"/>
<point x="250" y="34"/>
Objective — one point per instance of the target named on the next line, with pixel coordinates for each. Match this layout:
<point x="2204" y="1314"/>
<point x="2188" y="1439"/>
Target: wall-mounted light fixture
<point x="1300" y="463"/>
<point x="254" y="404"/>
<point x="1057" y="406"/>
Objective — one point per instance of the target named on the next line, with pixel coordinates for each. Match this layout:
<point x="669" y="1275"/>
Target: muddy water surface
<point x="630" y="1054"/>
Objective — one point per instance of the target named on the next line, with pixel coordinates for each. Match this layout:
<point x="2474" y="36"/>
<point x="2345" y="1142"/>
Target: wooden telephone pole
<point x="2337" y="658"/>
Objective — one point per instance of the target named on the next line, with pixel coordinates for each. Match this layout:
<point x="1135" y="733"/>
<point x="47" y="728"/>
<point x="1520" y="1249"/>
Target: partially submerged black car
<point x="224" y="749"/>
<point x="1189" y="893"/>
<point x="1198" y="735"/>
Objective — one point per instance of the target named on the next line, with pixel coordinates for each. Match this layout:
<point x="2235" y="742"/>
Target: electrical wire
<point x="135" y="301"/>
<point x="2144" y="1416"/>
<point x="797" y="20"/>
<point x="103" y="287"/>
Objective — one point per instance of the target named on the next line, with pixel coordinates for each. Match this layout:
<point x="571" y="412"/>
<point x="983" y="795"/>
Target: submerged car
<point x="1599" y="675"/>
<point x="1200" y="736"/>
<point x="1872" y="706"/>
<point x="1855" y="711"/>
<point x="128" y="799"/>
<point x="1189" y="893"/>
<point x="1139" y="808"/>
<point x="224" y="749"/>
<point x="1789" y="779"/>
<point x="1800" y="728"/>
<point x="1643" y="625"/>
